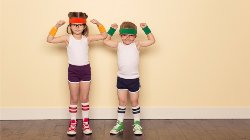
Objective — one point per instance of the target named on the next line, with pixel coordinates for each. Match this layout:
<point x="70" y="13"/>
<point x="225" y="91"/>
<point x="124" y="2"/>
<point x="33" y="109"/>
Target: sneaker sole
<point x="71" y="135"/>
<point x="121" y="132"/>
<point x="138" y="134"/>
<point x="87" y="133"/>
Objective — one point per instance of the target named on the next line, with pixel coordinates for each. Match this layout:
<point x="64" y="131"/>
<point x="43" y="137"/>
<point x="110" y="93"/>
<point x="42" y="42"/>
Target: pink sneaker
<point x="72" y="128"/>
<point x="85" y="127"/>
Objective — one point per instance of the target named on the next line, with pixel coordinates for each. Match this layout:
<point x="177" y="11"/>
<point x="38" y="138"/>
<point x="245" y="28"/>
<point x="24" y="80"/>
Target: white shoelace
<point x="137" y="127"/>
<point x="116" y="126"/>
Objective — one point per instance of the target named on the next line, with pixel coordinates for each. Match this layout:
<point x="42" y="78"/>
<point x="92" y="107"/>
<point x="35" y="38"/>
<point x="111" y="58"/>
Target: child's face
<point x="128" y="38"/>
<point x="77" y="28"/>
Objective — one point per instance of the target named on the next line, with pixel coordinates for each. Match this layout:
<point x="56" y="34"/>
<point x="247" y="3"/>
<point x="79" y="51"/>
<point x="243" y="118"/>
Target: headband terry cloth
<point x="128" y="31"/>
<point x="77" y="20"/>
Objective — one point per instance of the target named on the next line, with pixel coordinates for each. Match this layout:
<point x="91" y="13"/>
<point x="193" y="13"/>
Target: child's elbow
<point x="49" y="40"/>
<point x="105" y="41"/>
<point x="104" y="36"/>
<point x="152" y="42"/>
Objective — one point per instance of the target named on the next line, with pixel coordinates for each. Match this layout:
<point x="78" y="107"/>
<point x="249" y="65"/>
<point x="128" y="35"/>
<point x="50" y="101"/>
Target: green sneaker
<point x="137" y="128"/>
<point x="118" y="128"/>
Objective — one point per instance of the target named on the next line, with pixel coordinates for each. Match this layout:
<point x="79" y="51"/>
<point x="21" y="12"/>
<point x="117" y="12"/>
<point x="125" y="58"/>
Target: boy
<point x="128" y="70"/>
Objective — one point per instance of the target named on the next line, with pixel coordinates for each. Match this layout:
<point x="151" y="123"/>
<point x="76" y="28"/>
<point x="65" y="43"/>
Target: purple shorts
<point x="79" y="73"/>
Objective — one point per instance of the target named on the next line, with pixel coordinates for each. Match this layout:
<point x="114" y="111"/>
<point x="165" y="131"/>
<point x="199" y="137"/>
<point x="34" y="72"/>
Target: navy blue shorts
<point x="79" y="73"/>
<point x="132" y="85"/>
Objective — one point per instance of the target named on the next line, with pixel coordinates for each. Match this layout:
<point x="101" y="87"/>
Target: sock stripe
<point x="85" y="107"/>
<point x="120" y="111"/>
<point x="136" y="112"/>
<point x="72" y="107"/>
<point x="71" y="111"/>
<point x="134" y="109"/>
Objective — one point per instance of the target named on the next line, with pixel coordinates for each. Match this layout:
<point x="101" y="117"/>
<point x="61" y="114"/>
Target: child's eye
<point x="77" y="25"/>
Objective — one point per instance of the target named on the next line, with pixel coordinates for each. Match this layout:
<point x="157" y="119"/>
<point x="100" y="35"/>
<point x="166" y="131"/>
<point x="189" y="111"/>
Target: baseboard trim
<point x="110" y="113"/>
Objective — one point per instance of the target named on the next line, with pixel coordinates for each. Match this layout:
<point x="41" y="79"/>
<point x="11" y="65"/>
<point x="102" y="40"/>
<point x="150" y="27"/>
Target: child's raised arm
<point x="108" y="40"/>
<point x="51" y="37"/>
<point x="150" y="36"/>
<point x="102" y="30"/>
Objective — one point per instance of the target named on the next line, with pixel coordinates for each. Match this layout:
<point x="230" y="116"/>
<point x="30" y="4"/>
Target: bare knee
<point x="134" y="102"/>
<point x="85" y="100"/>
<point x="73" y="100"/>
<point x="122" y="102"/>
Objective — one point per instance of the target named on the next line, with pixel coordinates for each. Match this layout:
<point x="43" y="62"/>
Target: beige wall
<point x="1" y="55"/>
<point x="201" y="57"/>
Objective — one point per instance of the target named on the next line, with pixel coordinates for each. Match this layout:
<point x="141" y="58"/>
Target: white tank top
<point x="128" y="61"/>
<point x="78" y="51"/>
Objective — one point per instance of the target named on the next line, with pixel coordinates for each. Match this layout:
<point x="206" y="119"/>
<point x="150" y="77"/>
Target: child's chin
<point x="78" y="33"/>
<point x="127" y="43"/>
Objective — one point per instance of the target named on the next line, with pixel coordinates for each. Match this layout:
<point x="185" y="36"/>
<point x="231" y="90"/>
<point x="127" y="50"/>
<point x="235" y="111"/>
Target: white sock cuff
<point x="85" y="104"/>
<point x="122" y="107"/>
<point x="73" y="106"/>
<point x="136" y="107"/>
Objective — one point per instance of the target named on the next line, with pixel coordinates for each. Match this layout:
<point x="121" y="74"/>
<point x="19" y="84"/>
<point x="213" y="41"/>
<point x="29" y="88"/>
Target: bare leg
<point x="122" y="97"/>
<point x="84" y="91"/>
<point x="74" y="92"/>
<point x="84" y="97"/>
<point x="134" y="98"/>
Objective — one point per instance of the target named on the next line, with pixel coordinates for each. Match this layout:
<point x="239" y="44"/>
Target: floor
<point x="152" y="130"/>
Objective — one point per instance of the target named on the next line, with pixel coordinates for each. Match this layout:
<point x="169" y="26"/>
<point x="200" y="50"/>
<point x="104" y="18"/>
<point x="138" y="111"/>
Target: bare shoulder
<point x="137" y="44"/>
<point x="66" y="38"/>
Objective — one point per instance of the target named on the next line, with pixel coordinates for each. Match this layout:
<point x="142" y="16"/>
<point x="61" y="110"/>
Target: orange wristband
<point x="101" y="28"/>
<point x="53" y="31"/>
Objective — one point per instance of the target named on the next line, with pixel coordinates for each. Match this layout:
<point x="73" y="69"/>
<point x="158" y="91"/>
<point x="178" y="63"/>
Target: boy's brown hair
<point x="129" y="25"/>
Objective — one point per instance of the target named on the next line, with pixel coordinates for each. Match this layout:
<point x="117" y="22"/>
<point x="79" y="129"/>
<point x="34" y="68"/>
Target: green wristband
<point x="111" y="31"/>
<point x="146" y="30"/>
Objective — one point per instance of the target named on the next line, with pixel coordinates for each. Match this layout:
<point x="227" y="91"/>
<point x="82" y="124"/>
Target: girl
<point x="79" y="70"/>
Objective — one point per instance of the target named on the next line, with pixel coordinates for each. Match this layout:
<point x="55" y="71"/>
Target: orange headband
<point x="77" y="20"/>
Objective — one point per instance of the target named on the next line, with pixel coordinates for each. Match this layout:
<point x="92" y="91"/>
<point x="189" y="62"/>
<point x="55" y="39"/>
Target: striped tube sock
<point x="85" y="112"/>
<point x="136" y="113"/>
<point x="72" y="111"/>
<point x="121" y="112"/>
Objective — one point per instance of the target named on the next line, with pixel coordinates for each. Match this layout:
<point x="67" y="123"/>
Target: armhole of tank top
<point x="137" y="47"/>
<point x="119" y="44"/>
<point x="69" y="39"/>
<point x="85" y="38"/>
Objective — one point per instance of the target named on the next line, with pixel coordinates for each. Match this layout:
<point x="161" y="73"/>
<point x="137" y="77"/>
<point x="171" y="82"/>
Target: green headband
<point x="128" y="31"/>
